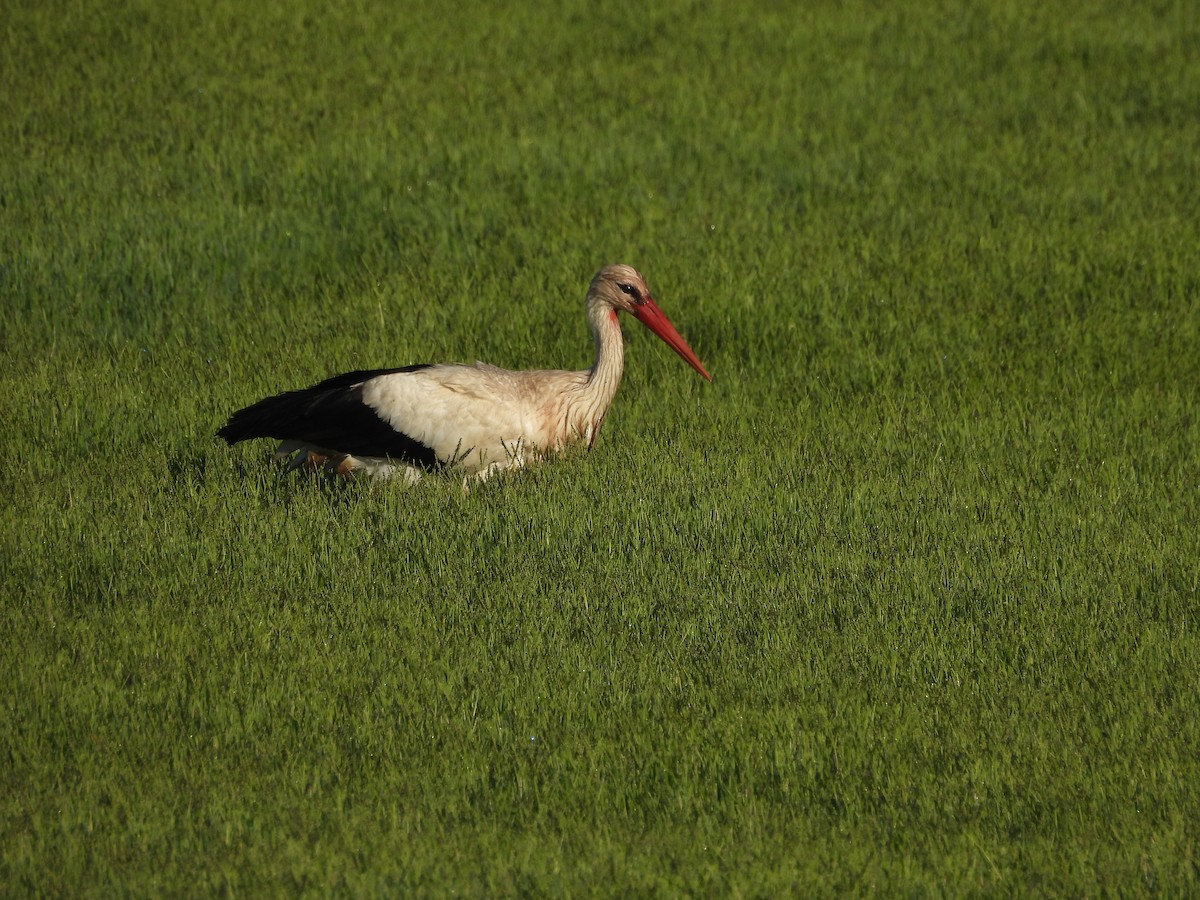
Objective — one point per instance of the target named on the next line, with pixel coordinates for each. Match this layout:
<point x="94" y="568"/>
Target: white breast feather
<point x="482" y="412"/>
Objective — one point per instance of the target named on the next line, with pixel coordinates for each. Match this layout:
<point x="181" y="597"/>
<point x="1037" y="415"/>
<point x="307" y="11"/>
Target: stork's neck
<point x="592" y="398"/>
<point x="605" y="373"/>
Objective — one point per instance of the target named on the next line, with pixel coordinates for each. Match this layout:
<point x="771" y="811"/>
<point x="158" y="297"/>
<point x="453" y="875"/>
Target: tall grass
<point x="905" y="600"/>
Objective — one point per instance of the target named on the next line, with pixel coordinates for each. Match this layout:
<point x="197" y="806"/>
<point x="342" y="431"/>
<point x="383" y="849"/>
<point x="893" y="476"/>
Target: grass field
<point x="907" y="600"/>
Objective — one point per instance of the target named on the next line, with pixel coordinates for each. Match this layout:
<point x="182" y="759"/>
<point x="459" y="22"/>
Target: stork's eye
<point x="630" y="290"/>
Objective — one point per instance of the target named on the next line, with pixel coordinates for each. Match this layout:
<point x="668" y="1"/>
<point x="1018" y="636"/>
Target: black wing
<point x="330" y="415"/>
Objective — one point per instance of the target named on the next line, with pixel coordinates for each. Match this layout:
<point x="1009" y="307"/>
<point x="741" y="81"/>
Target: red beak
<point x="652" y="317"/>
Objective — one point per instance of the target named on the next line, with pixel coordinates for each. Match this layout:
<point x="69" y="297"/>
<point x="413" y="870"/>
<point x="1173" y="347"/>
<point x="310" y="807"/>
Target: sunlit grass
<point x="906" y="599"/>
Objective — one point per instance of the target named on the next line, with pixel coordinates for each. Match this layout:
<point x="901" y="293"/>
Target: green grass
<point x="906" y="600"/>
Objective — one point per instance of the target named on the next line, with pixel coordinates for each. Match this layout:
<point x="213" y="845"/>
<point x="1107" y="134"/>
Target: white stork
<point x="480" y="418"/>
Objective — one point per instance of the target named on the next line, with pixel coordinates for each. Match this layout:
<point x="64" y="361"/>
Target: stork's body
<point x="477" y="417"/>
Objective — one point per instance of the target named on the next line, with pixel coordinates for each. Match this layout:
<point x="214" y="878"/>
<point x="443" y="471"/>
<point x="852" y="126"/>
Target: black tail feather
<point x="330" y="415"/>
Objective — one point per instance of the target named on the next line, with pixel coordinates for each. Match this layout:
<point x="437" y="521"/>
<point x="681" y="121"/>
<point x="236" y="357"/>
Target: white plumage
<point x="477" y="417"/>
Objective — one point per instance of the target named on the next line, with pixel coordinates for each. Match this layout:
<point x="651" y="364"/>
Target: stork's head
<point x="623" y="288"/>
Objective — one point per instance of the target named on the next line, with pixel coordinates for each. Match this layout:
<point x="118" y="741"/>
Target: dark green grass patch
<point x="905" y="600"/>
